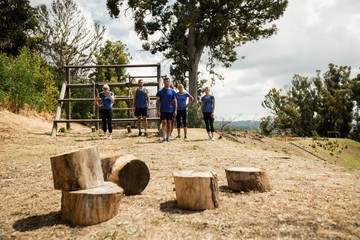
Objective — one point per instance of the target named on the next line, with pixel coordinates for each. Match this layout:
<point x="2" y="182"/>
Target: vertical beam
<point x="68" y="106"/>
<point x="58" y="110"/>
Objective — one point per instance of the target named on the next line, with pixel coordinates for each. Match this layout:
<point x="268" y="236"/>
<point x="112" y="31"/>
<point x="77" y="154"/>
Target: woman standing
<point x="208" y="109"/>
<point x="105" y="101"/>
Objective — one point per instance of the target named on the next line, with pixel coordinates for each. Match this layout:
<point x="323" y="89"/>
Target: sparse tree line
<point x="314" y="106"/>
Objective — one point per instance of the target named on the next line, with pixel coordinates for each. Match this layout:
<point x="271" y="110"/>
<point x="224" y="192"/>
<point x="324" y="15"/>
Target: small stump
<point x="130" y="173"/>
<point x="247" y="179"/>
<point x="91" y="206"/>
<point x="196" y="190"/>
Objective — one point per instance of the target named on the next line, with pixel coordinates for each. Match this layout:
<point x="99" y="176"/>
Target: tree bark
<point x="75" y="170"/>
<point x="128" y="172"/>
<point x="247" y="179"/>
<point x="196" y="190"/>
<point x="91" y="206"/>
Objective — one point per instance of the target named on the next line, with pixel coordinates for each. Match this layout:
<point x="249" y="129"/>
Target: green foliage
<point x="25" y="82"/>
<point x="195" y="116"/>
<point x="183" y="30"/>
<point x="266" y="125"/>
<point x="17" y="20"/>
<point x="321" y="104"/>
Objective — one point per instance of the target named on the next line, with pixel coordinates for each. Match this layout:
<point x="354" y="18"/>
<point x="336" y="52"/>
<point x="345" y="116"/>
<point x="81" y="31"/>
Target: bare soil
<point x="310" y="198"/>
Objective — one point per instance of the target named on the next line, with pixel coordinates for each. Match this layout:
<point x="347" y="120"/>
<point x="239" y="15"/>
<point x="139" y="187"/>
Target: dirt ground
<point x="310" y="198"/>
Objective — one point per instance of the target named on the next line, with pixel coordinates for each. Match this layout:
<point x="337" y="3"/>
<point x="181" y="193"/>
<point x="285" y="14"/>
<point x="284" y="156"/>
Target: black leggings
<point x="181" y="114"/>
<point x="106" y="115"/>
<point x="209" y="121"/>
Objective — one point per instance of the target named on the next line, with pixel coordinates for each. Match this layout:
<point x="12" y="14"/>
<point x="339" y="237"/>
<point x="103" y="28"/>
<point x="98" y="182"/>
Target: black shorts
<point x="140" y="112"/>
<point x="166" y="116"/>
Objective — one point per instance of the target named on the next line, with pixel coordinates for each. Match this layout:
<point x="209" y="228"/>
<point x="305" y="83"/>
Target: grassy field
<point x="343" y="152"/>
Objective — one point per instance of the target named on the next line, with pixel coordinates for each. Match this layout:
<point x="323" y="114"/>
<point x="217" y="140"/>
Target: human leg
<point x="103" y="121"/>
<point x="109" y="121"/>
<point x="178" y="123"/>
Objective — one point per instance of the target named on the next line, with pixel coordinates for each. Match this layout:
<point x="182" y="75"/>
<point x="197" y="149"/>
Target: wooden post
<point x="91" y="206"/>
<point x="75" y="170"/>
<point x="196" y="190"/>
<point x="127" y="171"/>
<point x="247" y="179"/>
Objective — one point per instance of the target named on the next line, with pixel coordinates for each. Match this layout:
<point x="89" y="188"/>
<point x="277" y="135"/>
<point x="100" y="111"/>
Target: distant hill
<point x="241" y="125"/>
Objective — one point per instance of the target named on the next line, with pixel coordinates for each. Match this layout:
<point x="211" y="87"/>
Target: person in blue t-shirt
<point x="141" y="105"/>
<point x="208" y="109"/>
<point x="183" y="104"/>
<point x="105" y="101"/>
<point x="166" y="107"/>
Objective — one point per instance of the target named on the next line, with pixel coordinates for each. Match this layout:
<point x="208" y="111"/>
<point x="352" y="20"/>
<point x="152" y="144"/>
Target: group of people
<point x="170" y="105"/>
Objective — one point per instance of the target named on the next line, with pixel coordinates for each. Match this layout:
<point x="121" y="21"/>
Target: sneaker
<point x="185" y="138"/>
<point x="164" y="140"/>
<point x="139" y="134"/>
<point x="110" y="137"/>
<point x="212" y="139"/>
<point x="178" y="137"/>
<point x="104" y="137"/>
<point x="168" y="140"/>
<point x="145" y="134"/>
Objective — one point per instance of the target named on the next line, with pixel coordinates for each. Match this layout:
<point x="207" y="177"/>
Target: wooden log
<point x="107" y="162"/>
<point x="196" y="190"/>
<point x="91" y="206"/>
<point x="75" y="170"/>
<point x="247" y="179"/>
<point x="130" y="173"/>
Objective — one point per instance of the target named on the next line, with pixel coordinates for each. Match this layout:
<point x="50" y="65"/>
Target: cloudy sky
<point x="311" y="34"/>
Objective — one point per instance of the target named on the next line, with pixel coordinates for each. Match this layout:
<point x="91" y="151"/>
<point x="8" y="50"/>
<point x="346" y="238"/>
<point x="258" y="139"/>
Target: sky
<point x="311" y="35"/>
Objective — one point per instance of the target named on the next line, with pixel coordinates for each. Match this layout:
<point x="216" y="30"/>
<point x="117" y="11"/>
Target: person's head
<point x="180" y="87"/>
<point x="106" y="88"/>
<point x="167" y="82"/>
<point x="140" y="82"/>
<point x="207" y="90"/>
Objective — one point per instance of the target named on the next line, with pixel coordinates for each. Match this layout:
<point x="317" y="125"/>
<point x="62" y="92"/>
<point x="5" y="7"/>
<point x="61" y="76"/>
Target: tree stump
<point x="107" y="162"/>
<point x="91" y="206"/>
<point x="75" y="170"/>
<point x="247" y="179"/>
<point x="130" y="173"/>
<point x="196" y="190"/>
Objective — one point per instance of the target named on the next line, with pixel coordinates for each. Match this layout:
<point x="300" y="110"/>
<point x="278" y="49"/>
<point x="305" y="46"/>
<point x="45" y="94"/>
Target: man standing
<point x="141" y="105"/>
<point x="166" y="107"/>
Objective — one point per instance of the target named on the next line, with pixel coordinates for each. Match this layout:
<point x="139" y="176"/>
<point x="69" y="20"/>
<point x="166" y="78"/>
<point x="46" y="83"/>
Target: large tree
<point x="17" y="21"/>
<point x="182" y="30"/>
<point x="68" y="38"/>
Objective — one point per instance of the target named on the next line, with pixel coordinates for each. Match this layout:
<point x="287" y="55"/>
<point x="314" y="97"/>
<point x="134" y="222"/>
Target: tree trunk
<point x="91" y="206"/>
<point x="196" y="190"/>
<point x="80" y="169"/>
<point x="128" y="172"/>
<point x="247" y="179"/>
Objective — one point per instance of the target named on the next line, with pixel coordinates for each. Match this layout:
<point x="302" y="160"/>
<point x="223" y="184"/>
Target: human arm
<point x="175" y="106"/>
<point x="213" y="108"/>
<point x="112" y="97"/>
<point x="158" y="106"/>
<point x="148" y="99"/>
<point x="98" y="101"/>
<point x="191" y="99"/>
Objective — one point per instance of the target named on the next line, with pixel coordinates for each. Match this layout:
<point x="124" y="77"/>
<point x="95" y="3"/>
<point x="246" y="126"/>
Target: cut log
<point x="91" y="206"/>
<point x="130" y="173"/>
<point x="107" y="162"/>
<point x="76" y="170"/>
<point x="196" y="190"/>
<point x="247" y="179"/>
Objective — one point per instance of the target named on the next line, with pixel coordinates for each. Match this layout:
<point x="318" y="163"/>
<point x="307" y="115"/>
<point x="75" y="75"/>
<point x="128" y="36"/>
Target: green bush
<point x="25" y="82"/>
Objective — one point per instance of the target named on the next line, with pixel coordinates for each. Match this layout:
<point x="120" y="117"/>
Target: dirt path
<point x="311" y="199"/>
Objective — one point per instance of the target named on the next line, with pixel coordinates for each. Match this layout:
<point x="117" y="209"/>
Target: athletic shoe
<point x="178" y="137"/>
<point x="168" y="140"/>
<point x="139" y="134"/>
<point x="110" y="137"/>
<point x="104" y="137"/>
<point x="212" y="139"/>
<point x="185" y="138"/>
<point x="145" y="134"/>
<point x="164" y="140"/>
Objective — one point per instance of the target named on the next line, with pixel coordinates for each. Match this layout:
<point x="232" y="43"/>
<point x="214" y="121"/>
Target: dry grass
<point x="311" y="199"/>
